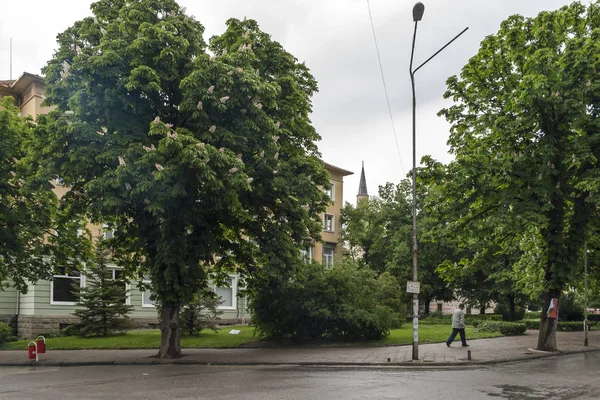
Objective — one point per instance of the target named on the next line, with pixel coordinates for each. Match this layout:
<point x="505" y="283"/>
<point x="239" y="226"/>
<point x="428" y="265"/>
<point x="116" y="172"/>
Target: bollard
<point x="40" y="344"/>
<point x="469" y="355"/>
<point x="32" y="351"/>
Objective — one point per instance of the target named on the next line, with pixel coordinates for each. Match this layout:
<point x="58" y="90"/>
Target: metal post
<point x="418" y="11"/>
<point x="415" y="246"/>
<point x="585" y="294"/>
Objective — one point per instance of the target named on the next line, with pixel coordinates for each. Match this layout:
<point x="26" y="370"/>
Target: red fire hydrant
<point x="32" y="351"/>
<point x="40" y="344"/>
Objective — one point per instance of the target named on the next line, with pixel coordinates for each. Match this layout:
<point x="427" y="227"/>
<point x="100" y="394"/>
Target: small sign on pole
<point x="412" y="287"/>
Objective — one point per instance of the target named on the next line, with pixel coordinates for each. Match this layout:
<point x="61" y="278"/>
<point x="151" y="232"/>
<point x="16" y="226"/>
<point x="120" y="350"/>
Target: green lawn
<point x="150" y="339"/>
<point x="145" y="339"/>
<point x="431" y="334"/>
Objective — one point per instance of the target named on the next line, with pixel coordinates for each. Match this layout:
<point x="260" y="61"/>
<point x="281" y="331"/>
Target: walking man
<point x="458" y="326"/>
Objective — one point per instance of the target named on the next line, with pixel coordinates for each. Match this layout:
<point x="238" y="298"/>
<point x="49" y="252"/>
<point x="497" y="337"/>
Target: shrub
<point x="573" y="326"/>
<point x="569" y="309"/>
<point x="436" y="314"/>
<point x="311" y="302"/>
<point x="103" y="300"/>
<point x="5" y="333"/>
<point x="532" y="315"/>
<point x="532" y="323"/>
<point x="471" y="319"/>
<point x="594" y="317"/>
<point x="390" y="295"/>
<point x="200" y="314"/>
<point x="569" y="326"/>
<point x="505" y="328"/>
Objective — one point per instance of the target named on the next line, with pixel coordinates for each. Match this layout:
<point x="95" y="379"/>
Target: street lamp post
<point x="418" y="11"/>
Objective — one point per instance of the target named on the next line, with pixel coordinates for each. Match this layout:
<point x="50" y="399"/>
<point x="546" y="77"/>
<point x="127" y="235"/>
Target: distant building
<point x="362" y="186"/>
<point x="28" y="92"/>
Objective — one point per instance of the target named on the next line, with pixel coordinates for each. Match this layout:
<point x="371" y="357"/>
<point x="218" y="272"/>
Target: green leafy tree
<point x="525" y="136"/>
<point x="378" y="231"/>
<point x="204" y="158"/>
<point x="103" y="299"/>
<point x="201" y="313"/>
<point x="30" y="214"/>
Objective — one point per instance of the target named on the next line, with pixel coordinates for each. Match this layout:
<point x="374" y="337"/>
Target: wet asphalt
<point x="562" y="377"/>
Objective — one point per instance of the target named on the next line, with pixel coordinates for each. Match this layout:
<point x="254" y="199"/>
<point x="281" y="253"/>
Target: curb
<point x="404" y="364"/>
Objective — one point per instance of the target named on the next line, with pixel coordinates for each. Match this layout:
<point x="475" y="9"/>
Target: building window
<point x="227" y="295"/>
<point x="328" y="252"/>
<point x="65" y="287"/>
<point x="331" y="192"/>
<point x="440" y="307"/>
<point x="306" y="255"/>
<point x="108" y="232"/>
<point x="146" y="301"/>
<point x="116" y="275"/>
<point x="328" y="223"/>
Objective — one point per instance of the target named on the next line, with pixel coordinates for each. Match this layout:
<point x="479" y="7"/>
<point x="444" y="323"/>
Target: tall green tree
<point x="31" y="217"/>
<point x="525" y="132"/>
<point x="204" y="157"/>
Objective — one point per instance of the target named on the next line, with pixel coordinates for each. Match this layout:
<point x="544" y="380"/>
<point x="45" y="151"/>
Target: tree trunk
<point x="170" y="346"/>
<point x="427" y="301"/>
<point x="511" y="307"/>
<point x="547" y="335"/>
<point x="482" y="310"/>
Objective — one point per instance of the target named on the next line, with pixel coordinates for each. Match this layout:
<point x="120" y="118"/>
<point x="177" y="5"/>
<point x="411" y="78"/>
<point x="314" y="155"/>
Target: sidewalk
<point x="483" y="351"/>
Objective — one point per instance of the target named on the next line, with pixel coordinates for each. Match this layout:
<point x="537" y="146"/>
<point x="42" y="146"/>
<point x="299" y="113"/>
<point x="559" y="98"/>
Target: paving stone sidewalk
<point x="483" y="351"/>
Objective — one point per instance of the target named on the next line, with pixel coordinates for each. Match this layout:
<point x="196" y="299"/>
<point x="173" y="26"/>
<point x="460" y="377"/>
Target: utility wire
<point x="387" y="97"/>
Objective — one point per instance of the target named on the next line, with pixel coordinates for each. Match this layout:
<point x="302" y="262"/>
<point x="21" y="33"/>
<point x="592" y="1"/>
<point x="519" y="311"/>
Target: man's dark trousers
<point x="456" y="331"/>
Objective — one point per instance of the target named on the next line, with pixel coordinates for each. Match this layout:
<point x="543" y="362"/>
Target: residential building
<point x="28" y="91"/>
<point x="48" y="305"/>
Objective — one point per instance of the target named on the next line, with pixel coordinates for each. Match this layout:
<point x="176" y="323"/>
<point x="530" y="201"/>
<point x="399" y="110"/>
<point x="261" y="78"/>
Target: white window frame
<point x="65" y="303"/>
<point x="325" y="259"/>
<point x="331" y="192"/>
<point x="306" y="255"/>
<point x="325" y="227"/>
<point x="144" y="304"/>
<point x="234" y="282"/>
<point x="106" y="231"/>
<point x="112" y="269"/>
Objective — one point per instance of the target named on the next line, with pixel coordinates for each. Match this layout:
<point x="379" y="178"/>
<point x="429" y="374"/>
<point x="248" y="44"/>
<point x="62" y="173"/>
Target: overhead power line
<point x="387" y="97"/>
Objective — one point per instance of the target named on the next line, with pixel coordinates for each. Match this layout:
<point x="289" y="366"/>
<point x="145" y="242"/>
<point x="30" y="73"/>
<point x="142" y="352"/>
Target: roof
<point x="362" y="186"/>
<point x="25" y="80"/>
<point x="7" y="83"/>
<point x="339" y="170"/>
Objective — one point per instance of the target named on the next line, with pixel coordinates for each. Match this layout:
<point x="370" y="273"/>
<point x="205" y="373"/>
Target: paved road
<point x="566" y="377"/>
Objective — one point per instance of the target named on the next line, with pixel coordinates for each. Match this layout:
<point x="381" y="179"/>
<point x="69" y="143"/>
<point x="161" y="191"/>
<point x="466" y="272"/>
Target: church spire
<point x="362" y="187"/>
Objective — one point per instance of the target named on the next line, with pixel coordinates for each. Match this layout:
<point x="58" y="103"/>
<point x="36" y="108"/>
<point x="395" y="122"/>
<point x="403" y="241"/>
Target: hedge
<point x="471" y="319"/>
<point x="505" y="328"/>
<point x="532" y="315"/>
<point x="594" y="317"/>
<point x="563" y="326"/>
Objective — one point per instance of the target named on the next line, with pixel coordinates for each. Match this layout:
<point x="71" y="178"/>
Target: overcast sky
<point x="335" y="39"/>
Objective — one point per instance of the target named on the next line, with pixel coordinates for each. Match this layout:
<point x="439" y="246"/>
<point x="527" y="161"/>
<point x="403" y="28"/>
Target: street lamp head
<point x="418" y="11"/>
